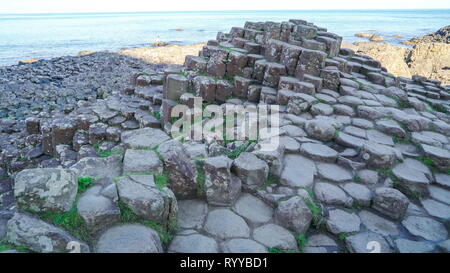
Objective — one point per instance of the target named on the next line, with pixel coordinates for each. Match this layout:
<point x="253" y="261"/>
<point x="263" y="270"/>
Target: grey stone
<point x="99" y="167"/>
<point x="253" y="209"/>
<point x="298" y="171"/>
<point x="332" y="195"/>
<point x="194" y="243"/>
<point x="440" y="157"/>
<point x="320" y="129"/>
<point x="411" y="179"/>
<point x="222" y="187"/>
<point x="368" y="177"/>
<point x="97" y="210"/>
<point x="391" y="127"/>
<point x="426" y="228"/>
<point x="367" y="242"/>
<point x="274" y="236"/>
<point x="436" y="209"/>
<point x="360" y="193"/>
<point x="130" y="238"/>
<point x="43" y="190"/>
<point x="183" y="172"/>
<point x="225" y="224"/>
<point x="390" y="202"/>
<point x="440" y="194"/>
<point x="319" y="152"/>
<point x="340" y="221"/>
<point x="250" y="169"/>
<point x="144" y="138"/>
<point x="444" y="246"/>
<point x="378" y="224"/>
<point x="242" y="246"/>
<point x="379" y="156"/>
<point x="39" y="236"/>
<point x="141" y="161"/>
<point x="333" y="172"/>
<point x="408" y="246"/>
<point x="293" y="214"/>
<point x="146" y="199"/>
<point x="443" y="180"/>
<point x="191" y="213"/>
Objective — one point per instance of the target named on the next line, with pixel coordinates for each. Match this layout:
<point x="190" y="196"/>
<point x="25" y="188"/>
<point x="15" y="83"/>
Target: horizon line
<point x="225" y="10"/>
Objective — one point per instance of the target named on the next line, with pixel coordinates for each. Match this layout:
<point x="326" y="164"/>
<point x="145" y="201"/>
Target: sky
<point x="76" y="6"/>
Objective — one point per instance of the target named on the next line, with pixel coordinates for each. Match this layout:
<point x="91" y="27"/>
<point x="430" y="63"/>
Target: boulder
<point x="147" y="199"/>
<point x="141" y="161"/>
<point x="131" y="238"/>
<point x="250" y="169"/>
<point x="43" y="190"/>
<point x="183" y="172"/>
<point x="39" y="236"/>
<point x="222" y="187"/>
<point x="390" y="202"/>
<point x="293" y="214"/>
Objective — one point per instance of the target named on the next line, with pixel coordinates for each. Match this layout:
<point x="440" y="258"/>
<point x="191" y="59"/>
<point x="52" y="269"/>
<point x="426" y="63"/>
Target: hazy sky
<point x="57" y="6"/>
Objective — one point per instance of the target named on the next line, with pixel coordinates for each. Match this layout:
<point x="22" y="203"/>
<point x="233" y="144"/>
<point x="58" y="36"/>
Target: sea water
<point x="52" y="35"/>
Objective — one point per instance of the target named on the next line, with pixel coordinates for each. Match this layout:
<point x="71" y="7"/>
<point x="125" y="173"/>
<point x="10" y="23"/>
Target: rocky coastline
<point x="88" y="163"/>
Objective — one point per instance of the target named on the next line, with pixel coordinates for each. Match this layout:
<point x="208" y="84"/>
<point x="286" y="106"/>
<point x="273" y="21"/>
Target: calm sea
<point x="51" y="35"/>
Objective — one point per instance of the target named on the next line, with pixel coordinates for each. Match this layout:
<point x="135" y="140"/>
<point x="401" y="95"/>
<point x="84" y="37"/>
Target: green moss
<point x="84" y="183"/>
<point x="301" y="242"/>
<point x="239" y="150"/>
<point x="277" y="250"/>
<point x="315" y="210"/>
<point x="357" y="179"/>
<point x="336" y="133"/>
<point x="271" y="180"/>
<point x="399" y="140"/>
<point x="4" y="245"/>
<point x="429" y="163"/>
<point x="345" y="235"/>
<point x="157" y="115"/>
<point x="385" y="172"/>
<point x="161" y="180"/>
<point x="70" y="221"/>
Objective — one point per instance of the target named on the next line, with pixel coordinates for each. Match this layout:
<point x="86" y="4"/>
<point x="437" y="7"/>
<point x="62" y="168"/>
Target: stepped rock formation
<point x="364" y="157"/>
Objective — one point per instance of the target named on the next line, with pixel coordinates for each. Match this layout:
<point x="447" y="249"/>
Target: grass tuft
<point x="84" y="183"/>
<point x="70" y="221"/>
